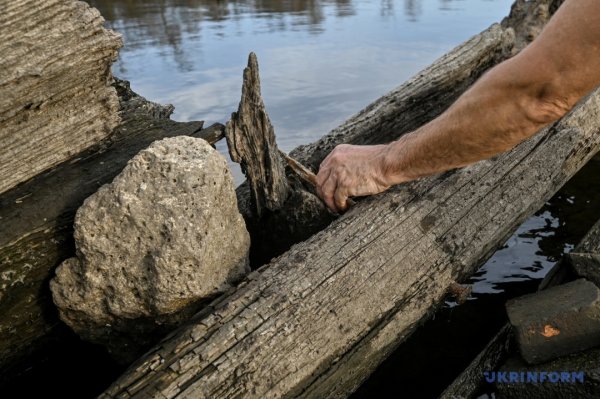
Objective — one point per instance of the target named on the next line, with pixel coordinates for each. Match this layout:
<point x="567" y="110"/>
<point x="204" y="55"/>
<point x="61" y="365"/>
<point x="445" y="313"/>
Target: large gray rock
<point x="152" y="247"/>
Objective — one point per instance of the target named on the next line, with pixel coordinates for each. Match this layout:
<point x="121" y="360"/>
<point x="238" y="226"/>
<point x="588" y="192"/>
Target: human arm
<point x="507" y="105"/>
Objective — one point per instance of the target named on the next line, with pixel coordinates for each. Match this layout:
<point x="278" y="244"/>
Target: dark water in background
<point x="322" y="61"/>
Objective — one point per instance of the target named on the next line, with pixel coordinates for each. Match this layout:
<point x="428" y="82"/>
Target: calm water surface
<point x="321" y="62"/>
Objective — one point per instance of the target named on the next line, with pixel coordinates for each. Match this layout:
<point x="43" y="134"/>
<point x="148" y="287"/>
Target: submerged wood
<point x="319" y="318"/>
<point x="37" y="219"/>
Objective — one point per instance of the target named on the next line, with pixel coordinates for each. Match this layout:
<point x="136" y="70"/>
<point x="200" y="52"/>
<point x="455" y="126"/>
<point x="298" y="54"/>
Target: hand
<point x="351" y="170"/>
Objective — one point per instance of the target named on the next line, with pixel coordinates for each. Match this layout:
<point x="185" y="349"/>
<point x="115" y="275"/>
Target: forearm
<point x="498" y="112"/>
<point x="511" y="102"/>
<point x="507" y="105"/>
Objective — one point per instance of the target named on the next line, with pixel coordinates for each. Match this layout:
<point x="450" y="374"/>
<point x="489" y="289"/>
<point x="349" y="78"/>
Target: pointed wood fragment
<point x="251" y="141"/>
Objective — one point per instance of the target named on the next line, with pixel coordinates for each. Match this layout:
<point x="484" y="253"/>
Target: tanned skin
<point x="510" y="103"/>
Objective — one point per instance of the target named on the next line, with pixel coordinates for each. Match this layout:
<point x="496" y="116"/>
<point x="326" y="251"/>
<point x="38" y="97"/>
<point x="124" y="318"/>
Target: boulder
<point x="155" y="244"/>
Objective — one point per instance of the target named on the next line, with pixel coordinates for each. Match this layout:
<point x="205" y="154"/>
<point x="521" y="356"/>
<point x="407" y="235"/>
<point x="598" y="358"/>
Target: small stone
<point x="558" y="321"/>
<point x="153" y="246"/>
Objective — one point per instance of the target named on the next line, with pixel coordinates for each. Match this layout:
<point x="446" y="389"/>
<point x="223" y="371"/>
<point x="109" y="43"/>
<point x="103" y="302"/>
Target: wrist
<point x="392" y="168"/>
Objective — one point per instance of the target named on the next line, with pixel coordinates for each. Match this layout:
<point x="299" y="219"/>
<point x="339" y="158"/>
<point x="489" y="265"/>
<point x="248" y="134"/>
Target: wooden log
<point x="556" y="322"/>
<point x="56" y="99"/>
<point x="319" y="318"/>
<point x="251" y="141"/>
<point x="37" y="219"/>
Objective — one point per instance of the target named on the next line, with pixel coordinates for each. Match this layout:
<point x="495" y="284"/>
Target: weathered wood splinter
<point x="282" y="209"/>
<point x="251" y="141"/>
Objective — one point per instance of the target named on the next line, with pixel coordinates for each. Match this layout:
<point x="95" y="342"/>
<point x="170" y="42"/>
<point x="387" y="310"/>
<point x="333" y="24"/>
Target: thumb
<point x="340" y="197"/>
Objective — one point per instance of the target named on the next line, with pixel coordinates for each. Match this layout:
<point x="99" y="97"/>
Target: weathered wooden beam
<point x="251" y="141"/>
<point x="319" y="318"/>
<point x="55" y="94"/>
<point x="281" y="210"/>
<point x="36" y="218"/>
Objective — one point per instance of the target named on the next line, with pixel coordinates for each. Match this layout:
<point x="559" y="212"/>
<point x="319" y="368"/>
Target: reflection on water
<point x="543" y="239"/>
<point x="321" y="61"/>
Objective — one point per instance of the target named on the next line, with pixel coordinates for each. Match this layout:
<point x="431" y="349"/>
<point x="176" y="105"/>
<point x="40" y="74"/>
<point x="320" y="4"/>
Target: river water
<point x="321" y="62"/>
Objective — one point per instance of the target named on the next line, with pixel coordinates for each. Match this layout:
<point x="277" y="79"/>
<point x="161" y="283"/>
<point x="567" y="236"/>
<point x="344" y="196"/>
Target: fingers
<point x="329" y="181"/>
<point x="328" y="191"/>
<point x="322" y="177"/>
<point x="340" y="199"/>
<point x="333" y="193"/>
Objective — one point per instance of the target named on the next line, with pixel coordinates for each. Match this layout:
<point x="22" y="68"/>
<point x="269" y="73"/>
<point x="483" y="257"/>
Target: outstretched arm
<point x="507" y="105"/>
